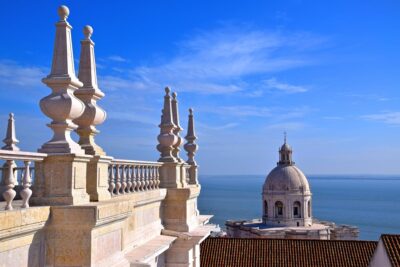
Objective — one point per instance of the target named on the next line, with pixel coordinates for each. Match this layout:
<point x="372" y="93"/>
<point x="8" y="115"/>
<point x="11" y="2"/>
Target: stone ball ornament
<point x="63" y="12"/>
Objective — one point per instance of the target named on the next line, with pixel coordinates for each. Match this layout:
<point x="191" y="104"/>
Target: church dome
<point x="286" y="178"/>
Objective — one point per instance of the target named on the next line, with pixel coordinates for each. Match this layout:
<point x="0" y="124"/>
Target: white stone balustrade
<point x="13" y="175"/>
<point x="130" y="176"/>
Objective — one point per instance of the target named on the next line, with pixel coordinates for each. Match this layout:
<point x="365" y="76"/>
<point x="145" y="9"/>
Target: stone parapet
<point x="97" y="178"/>
<point x="22" y="236"/>
<point x="61" y="180"/>
<point x="180" y="211"/>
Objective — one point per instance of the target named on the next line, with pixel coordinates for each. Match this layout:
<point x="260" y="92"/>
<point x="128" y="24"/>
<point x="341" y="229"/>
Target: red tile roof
<point x="253" y="252"/>
<point x="392" y="246"/>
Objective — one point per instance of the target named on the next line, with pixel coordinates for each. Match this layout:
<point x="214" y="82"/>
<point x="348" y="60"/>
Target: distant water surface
<point x="370" y="202"/>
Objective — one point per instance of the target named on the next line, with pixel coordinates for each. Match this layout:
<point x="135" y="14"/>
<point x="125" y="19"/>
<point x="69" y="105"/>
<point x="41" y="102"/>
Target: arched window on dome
<point x="296" y="209"/>
<point x="278" y="209"/>
<point x="309" y="208"/>
<point x="265" y="208"/>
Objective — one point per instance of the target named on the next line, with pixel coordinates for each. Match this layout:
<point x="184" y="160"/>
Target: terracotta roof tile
<point x="392" y="246"/>
<point x="242" y="252"/>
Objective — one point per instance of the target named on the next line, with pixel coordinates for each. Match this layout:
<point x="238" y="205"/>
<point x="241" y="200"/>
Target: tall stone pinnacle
<point x="167" y="139"/>
<point x="178" y="128"/>
<point x="61" y="105"/>
<point x="89" y="94"/>
<point x="11" y="139"/>
<point x="191" y="146"/>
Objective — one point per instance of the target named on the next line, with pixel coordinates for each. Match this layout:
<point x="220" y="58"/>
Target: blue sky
<point x="327" y="72"/>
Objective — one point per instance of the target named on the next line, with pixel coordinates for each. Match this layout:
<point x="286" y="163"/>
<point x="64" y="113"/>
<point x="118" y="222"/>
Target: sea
<point x="371" y="202"/>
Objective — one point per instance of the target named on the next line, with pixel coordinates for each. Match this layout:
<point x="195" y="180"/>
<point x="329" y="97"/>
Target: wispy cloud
<point x="117" y="58"/>
<point x="385" y="117"/>
<point x="274" y="84"/>
<point x="238" y="111"/>
<point x="222" y="60"/>
<point x="226" y="126"/>
<point x="12" y="73"/>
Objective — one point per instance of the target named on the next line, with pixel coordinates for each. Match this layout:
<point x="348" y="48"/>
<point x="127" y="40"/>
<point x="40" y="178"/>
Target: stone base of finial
<point x="87" y="143"/>
<point x="61" y="143"/>
<point x="180" y="209"/>
<point x="97" y="178"/>
<point x="193" y="175"/>
<point x="172" y="175"/>
<point x="61" y="180"/>
<point x="58" y="147"/>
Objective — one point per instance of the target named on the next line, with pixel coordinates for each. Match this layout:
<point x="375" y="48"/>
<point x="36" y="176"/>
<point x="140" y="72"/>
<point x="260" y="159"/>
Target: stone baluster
<point x="26" y="193"/>
<point x="178" y="128"/>
<point x="11" y="140"/>
<point x="111" y="181"/>
<point x="89" y="94"/>
<point x="167" y="139"/>
<point x="128" y="178"/>
<point x="144" y="178"/>
<point x="152" y="178"/>
<point x="147" y="182"/>
<point x="9" y="183"/>
<point x="134" y="178"/>
<point x="158" y="177"/>
<point x="118" y="184"/>
<point x="191" y="148"/>
<point x="141" y="178"/>
<point x="62" y="106"/>
<point x="123" y="179"/>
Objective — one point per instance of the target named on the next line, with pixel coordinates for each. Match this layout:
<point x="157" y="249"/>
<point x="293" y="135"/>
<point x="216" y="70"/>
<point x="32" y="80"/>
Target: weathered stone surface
<point x="61" y="180"/>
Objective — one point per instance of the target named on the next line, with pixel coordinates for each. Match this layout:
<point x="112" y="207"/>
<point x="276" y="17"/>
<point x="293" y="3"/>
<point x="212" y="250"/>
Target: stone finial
<point x="191" y="146"/>
<point x="11" y="139"/>
<point x="61" y="105"/>
<point x="167" y="139"/>
<point x="63" y="12"/>
<point x="178" y="128"/>
<point x="89" y="94"/>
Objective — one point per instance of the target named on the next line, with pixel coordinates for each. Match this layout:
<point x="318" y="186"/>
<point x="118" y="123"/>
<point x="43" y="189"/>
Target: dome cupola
<point x="286" y="193"/>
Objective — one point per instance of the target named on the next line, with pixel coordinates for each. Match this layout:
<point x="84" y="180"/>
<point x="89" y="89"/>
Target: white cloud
<point x="386" y="117"/>
<point x="221" y="61"/>
<point x="117" y="58"/>
<point x="273" y="83"/>
<point x="12" y="73"/>
<point x="216" y="128"/>
<point x="239" y="111"/>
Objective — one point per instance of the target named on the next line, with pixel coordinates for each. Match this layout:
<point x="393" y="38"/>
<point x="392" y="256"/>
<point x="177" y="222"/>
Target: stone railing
<point x="19" y="178"/>
<point x="130" y="176"/>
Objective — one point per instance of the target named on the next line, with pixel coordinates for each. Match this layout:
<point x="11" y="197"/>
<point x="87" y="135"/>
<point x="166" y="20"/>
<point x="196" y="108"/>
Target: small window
<point x="265" y="208"/>
<point x="296" y="209"/>
<point x="278" y="209"/>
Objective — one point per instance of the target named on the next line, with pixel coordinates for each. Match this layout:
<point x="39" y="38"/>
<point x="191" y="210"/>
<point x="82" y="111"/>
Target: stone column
<point x="97" y="170"/>
<point x="61" y="177"/>
<point x="191" y="147"/>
